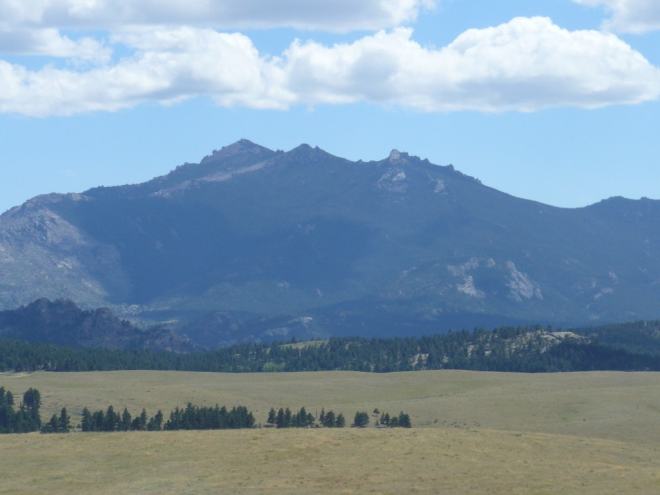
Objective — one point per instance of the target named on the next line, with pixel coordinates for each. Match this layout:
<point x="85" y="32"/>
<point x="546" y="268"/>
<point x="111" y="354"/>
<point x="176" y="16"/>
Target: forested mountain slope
<point x="255" y="244"/>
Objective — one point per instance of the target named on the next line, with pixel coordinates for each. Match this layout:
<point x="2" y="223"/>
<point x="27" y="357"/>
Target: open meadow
<point x="473" y="433"/>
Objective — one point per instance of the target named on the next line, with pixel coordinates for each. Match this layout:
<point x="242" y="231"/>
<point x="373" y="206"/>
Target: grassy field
<point x="422" y="461"/>
<point x="475" y="433"/>
<point x="618" y="406"/>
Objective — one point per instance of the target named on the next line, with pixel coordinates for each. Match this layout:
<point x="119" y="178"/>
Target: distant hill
<point x="533" y="349"/>
<point x="255" y="244"/>
<point x="63" y="323"/>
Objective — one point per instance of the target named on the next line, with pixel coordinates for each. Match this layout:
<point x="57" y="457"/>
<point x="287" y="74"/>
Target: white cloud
<point x="523" y="65"/>
<point x="629" y="16"/>
<point x="172" y="66"/>
<point x="49" y="42"/>
<point x="334" y="15"/>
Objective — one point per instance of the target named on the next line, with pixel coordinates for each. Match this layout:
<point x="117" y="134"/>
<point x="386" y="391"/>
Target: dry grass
<point x="484" y="433"/>
<point x="322" y="461"/>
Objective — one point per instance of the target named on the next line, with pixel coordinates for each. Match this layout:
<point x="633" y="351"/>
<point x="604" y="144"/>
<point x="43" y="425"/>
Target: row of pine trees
<point x="284" y="418"/>
<point x="26" y="418"/>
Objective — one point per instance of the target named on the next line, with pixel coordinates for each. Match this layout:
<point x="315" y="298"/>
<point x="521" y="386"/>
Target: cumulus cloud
<point x="49" y="42"/>
<point x="335" y="15"/>
<point x="172" y="65"/>
<point x="523" y="65"/>
<point x="629" y="16"/>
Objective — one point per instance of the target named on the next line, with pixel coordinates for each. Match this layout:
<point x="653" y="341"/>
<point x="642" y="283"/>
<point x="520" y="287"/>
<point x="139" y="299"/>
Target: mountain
<point x="64" y="323"/>
<point x="256" y="244"/>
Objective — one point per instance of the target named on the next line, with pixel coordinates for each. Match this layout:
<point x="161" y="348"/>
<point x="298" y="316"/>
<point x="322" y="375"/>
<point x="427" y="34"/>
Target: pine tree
<point x="330" y="419"/>
<point x="126" y="420"/>
<point x="143" y="420"/>
<point x="361" y="419"/>
<point x="110" y="420"/>
<point x="340" y="422"/>
<point x="158" y="420"/>
<point x="51" y="426"/>
<point x="98" y="421"/>
<point x="7" y="413"/>
<point x="31" y="405"/>
<point x="64" y="422"/>
<point x="279" y="421"/>
<point x="86" y="423"/>
<point x="272" y="416"/>
<point x="404" y="420"/>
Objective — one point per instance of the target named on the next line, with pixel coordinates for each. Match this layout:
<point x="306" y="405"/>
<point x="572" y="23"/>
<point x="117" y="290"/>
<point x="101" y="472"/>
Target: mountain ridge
<point x="388" y="246"/>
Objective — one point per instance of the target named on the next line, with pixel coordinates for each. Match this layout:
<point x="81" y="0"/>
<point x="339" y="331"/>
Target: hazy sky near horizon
<point x="552" y="100"/>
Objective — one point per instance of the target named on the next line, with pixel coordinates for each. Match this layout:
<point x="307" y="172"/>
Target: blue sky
<point x="560" y="105"/>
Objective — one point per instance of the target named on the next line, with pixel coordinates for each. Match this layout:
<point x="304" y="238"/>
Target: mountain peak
<point x="308" y="153"/>
<point x="397" y="157"/>
<point x="240" y="147"/>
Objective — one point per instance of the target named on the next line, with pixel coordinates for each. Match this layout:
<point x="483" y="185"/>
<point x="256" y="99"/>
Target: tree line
<point x="26" y="418"/>
<point x="507" y="349"/>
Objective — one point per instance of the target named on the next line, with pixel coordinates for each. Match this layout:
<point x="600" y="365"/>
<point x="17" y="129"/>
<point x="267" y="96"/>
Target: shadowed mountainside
<point x="64" y="323"/>
<point x="255" y="244"/>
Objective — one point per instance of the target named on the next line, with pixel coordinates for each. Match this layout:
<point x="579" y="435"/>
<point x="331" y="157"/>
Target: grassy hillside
<point x="476" y="433"/>
<point x="620" y="406"/>
<point x="422" y="461"/>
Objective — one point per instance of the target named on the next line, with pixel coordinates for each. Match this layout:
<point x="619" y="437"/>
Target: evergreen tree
<point x="404" y="420"/>
<point x="7" y="413"/>
<point x="64" y="422"/>
<point x="158" y="421"/>
<point x="111" y="420"/>
<point x="51" y="426"/>
<point x="31" y="405"/>
<point x="98" y="421"/>
<point x="340" y="422"/>
<point x="280" y="420"/>
<point x="272" y="416"/>
<point x="330" y="419"/>
<point x="361" y="419"/>
<point x="126" y="420"/>
<point x="86" y="423"/>
<point x="143" y="420"/>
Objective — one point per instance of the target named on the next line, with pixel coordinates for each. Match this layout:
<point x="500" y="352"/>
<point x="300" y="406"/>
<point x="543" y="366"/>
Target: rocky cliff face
<point x="251" y="243"/>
